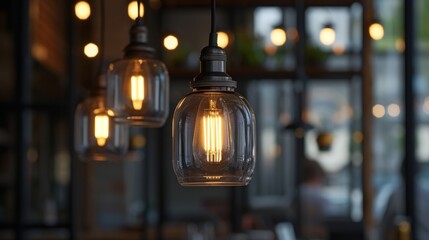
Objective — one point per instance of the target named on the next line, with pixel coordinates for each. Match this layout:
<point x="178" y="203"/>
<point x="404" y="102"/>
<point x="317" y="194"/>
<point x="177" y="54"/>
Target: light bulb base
<point x="213" y="70"/>
<point x="138" y="47"/>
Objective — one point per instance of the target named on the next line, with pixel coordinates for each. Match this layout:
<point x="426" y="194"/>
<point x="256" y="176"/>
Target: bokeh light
<point x="278" y="36"/>
<point x="132" y="10"/>
<point x="376" y="31"/>
<point x="171" y="42"/>
<point x="327" y="35"/>
<point x="393" y="110"/>
<point x="90" y="50"/>
<point x="378" y="111"/>
<point x="82" y="10"/>
<point x="222" y="39"/>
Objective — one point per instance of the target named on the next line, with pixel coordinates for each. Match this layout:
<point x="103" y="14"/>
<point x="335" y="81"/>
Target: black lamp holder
<point x="138" y="47"/>
<point x="213" y="62"/>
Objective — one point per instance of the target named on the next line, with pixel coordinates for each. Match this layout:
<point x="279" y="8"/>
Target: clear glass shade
<point x="138" y="91"/>
<point x="97" y="136"/>
<point x="213" y="139"/>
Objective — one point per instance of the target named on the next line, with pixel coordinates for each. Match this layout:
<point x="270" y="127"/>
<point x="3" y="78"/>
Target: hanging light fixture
<point x="327" y="34"/>
<point x="213" y="126"/>
<point x="278" y="36"/>
<point x="97" y="137"/>
<point x="376" y="30"/>
<point x="138" y="84"/>
<point x="278" y="33"/>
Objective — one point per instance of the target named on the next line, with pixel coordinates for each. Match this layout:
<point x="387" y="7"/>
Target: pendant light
<point x="278" y="34"/>
<point x="327" y="34"/>
<point x="138" y="84"/>
<point x="376" y="30"/>
<point x="97" y="136"/>
<point x="213" y="126"/>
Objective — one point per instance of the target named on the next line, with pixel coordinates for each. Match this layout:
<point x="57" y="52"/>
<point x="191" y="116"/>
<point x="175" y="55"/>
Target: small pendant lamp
<point x="327" y="34"/>
<point x="138" y="84"/>
<point x="213" y="126"/>
<point x="97" y="136"/>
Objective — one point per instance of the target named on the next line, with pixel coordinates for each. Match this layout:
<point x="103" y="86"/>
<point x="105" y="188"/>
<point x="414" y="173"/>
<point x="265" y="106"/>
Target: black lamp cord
<point x="213" y="33"/>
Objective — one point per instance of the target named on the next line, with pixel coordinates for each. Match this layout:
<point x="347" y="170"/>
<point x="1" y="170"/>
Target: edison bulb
<point x="222" y="39"/>
<point x="212" y="134"/>
<point x="101" y="129"/>
<point x="376" y="31"/>
<point x="132" y="10"/>
<point x="278" y="37"/>
<point x="327" y="35"/>
<point x="137" y="91"/>
<point x="213" y="130"/>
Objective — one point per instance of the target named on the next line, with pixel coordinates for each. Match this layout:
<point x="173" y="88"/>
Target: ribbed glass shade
<point x="138" y="91"/>
<point x="213" y="139"/>
<point x="97" y="136"/>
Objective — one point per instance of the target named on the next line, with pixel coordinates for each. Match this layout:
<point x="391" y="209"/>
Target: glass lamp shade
<point x="138" y="91"/>
<point x="213" y="139"/>
<point x="97" y="136"/>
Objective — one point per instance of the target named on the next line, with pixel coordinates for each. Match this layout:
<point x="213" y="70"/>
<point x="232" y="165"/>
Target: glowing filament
<point x="137" y="91"/>
<point x="101" y="129"/>
<point x="212" y="130"/>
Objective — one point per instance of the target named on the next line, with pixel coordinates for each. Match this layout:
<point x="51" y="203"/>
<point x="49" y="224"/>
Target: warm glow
<point x="82" y="10"/>
<point x="171" y="42"/>
<point x="137" y="91"/>
<point x="338" y="49"/>
<point x="222" y="39"/>
<point x="327" y="36"/>
<point x="400" y="45"/>
<point x="132" y="10"/>
<point x="292" y="34"/>
<point x="393" y="110"/>
<point x="212" y="130"/>
<point x="278" y="36"/>
<point x="378" y="111"/>
<point x="376" y="31"/>
<point x="101" y="129"/>
<point x="90" y="50"/>
<point x="357" y="137"/>
<point x="270" y="49"/>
